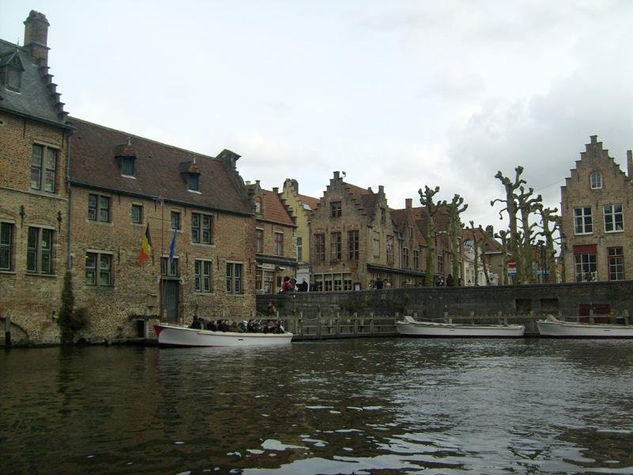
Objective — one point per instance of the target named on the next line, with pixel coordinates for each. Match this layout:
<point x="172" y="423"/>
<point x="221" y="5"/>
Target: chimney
<point x="276" y="190"/>
<point x="337" y="175"/>
<point x="381" y="189"/>
<point x="408" y="203"/>
<point x="629" y="163"/>
<point x="35" y="34"/>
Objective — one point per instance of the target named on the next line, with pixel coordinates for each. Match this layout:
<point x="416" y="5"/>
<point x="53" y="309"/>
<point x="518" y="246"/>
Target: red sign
<point x="512" y="263"/>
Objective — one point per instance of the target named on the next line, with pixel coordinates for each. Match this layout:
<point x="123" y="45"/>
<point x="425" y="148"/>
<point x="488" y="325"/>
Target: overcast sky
<point x="396" y="93"/>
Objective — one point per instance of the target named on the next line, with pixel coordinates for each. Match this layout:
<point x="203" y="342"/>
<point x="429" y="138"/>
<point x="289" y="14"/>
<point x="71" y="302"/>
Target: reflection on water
<point x="355" y="406"/>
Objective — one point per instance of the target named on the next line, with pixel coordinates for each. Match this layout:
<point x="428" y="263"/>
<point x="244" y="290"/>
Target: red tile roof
<point x="274" y="209"/>
<point x="158" y="170"/>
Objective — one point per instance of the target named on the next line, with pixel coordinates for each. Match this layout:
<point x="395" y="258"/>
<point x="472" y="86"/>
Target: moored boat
<point x="411" y="327"/>
<point x="552" y="326"/>
<point x="177" y="335"/>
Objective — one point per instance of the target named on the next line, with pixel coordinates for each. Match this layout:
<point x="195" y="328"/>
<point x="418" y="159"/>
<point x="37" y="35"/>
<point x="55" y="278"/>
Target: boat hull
<point x="416" y="328"/>
<point x="174" y="335"/>
<point x="582" y="330"/>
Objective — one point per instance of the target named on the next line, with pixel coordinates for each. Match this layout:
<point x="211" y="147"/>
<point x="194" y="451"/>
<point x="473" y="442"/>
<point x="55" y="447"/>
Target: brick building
<point x="596" y="218"/>
<point x="121" y="186"/>
<point x="412" y="246"/>
<point x="275" y="250"/>
<point x="34" y="135"/>
<point x="353" y="239"/>
<point x="301" y="208"/>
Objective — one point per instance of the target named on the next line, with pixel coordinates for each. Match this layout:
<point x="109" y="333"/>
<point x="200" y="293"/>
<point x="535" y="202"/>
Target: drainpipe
<point x="69" y="264"/>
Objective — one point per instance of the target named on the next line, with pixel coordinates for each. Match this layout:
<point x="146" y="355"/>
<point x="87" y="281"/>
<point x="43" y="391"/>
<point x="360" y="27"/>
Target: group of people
<point x="290" y="285"/>
<point x="250" y="326"/>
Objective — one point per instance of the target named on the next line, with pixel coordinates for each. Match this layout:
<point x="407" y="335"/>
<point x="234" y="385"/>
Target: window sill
<point x="100" y="223"/>
<point x="46" y="276"/>
<point x="195" y="192"/>
<point x="8" y="272"/>
<point x="131" y="177"/>
<point x="203" y="244"/>
<point x="204" y="294"/>
<point x="617" y="231"/>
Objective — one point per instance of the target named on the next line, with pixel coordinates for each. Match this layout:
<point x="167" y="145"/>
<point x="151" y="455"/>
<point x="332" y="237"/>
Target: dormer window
<point x="127" y="166"/>
<point x="258" y="205"/>
<point x="190" y="174"/>
<point x="11" y="71"/>
<point x="193" y="182"/>
<point x="126" y="156"/>
<point x="596" y="180"/>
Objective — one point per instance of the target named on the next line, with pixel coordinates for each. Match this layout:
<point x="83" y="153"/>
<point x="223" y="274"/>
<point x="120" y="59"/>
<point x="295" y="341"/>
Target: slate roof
<point x="310" y="201"/>
<point x="365" y="198"/>
<point x="38" y="97"/>
<point x="158" y="170"/>
<point x="490" y="245"/>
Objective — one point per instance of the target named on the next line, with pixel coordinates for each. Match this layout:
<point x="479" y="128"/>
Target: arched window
<point x="596" y="180"/>
<point x="258" y="205"/>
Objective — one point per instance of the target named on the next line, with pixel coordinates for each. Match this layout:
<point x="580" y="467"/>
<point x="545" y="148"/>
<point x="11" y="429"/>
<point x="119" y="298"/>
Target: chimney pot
<point x="629" y="163"/>
<point x="408" y="203"/>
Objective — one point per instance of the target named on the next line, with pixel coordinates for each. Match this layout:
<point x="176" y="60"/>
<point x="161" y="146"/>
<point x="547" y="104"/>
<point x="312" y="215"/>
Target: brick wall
<point x="31" y="299"/>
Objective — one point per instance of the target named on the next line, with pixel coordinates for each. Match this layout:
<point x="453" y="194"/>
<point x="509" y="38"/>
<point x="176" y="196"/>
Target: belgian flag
<point x="146" y="247"/>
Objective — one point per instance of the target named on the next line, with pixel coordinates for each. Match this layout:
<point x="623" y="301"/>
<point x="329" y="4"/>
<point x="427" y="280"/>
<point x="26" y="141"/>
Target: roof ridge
<point x="174" y="147"/>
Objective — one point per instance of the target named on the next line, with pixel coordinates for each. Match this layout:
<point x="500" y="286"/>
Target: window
<point x="335" y="246"/>
<point x="98" y="269"/>
<point x="258" y="205"/>
<point x="582" y="220"/>
<point x="98" y="208"/>
<point x="336" y="209"/>
<point x="279" y="244"/>
<point x="390" y="250"/>
<point x="44" y="167"/>
<point x="234" y="278"/>
<point x="383" y="215"/>
<point x="201" y="228"/>
<point x="416" y="259"/>
<point x="596" y="180"/>
<point x="39" y="254"/>
<point x="405" y="257"/>
<point x="175" y="220"/>
<point x="6" y="246"/>
<point x="137" y="214"/>
<point x="613" y="220"/>
<point x="440" y="263"/>
<point x="585" y="267"/>
<point x="127" y="166"/>
<point x="353" y="249"/>
<point x="319" y="247"/>
<point x="193" y="182"/>
<point x="616" y="263"/>
<point x="259" y="235"/>
<point x="299" y="249"/>
<point x="203" y="276"/>
<point x="169" y="268"/>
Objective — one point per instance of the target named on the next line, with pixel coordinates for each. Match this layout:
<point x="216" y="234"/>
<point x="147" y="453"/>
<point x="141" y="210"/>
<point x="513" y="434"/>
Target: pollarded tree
<point x="512" y="209"/>
<point x="455" y="208"/>
<point x="426" y="199"/>
<point x="549" y="225"/>
<point x="527" y="204"/>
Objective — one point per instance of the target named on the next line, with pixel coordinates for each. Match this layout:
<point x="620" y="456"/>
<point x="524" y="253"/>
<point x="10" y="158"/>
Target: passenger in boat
<point x="378" y="284"/>
<point x="223" y="326"/>
<point x="211" y="325"/>
<point x="197" y="323"/>
<point x="449" y="281"/>
<point x="287" y="285"/>
<point x="243" y="326"/>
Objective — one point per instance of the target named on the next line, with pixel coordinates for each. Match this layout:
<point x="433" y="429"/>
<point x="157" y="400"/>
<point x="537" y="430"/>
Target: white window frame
<point x="580" y="220"/>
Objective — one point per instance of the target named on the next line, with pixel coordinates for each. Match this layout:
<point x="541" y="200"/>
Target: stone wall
<point x="433" y="302"/>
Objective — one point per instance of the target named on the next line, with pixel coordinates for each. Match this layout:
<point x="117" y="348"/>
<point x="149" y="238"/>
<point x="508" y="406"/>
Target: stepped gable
<point x="37" y="97"/>
<point x="274" y="209"/>
<point x="364" y="198"/>
<point x="593" y="157"/>
<point x="158" y="170"/>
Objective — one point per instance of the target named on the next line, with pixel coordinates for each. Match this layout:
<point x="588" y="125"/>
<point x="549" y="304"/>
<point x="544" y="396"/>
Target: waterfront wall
<point x="568" y="300"/>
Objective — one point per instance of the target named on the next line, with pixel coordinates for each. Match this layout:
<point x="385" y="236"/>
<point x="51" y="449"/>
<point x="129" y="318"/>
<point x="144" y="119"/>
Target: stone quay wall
<point x="518" y="303"/>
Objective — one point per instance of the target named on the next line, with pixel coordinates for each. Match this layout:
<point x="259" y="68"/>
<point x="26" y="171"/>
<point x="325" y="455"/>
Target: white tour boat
<point x="411" y="327"/>
<point x="177" y="335"/>
<point x="552" y="326"/>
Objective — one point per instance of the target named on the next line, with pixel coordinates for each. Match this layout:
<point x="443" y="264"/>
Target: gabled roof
<point x="401" y="217"/>
<point x="273" y="208"/>
<point x="158" y="170"/>
<point x="38" y="97"/>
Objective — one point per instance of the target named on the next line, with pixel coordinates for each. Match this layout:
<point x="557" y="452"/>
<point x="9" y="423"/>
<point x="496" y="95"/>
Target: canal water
<point x="354" y="406"/>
